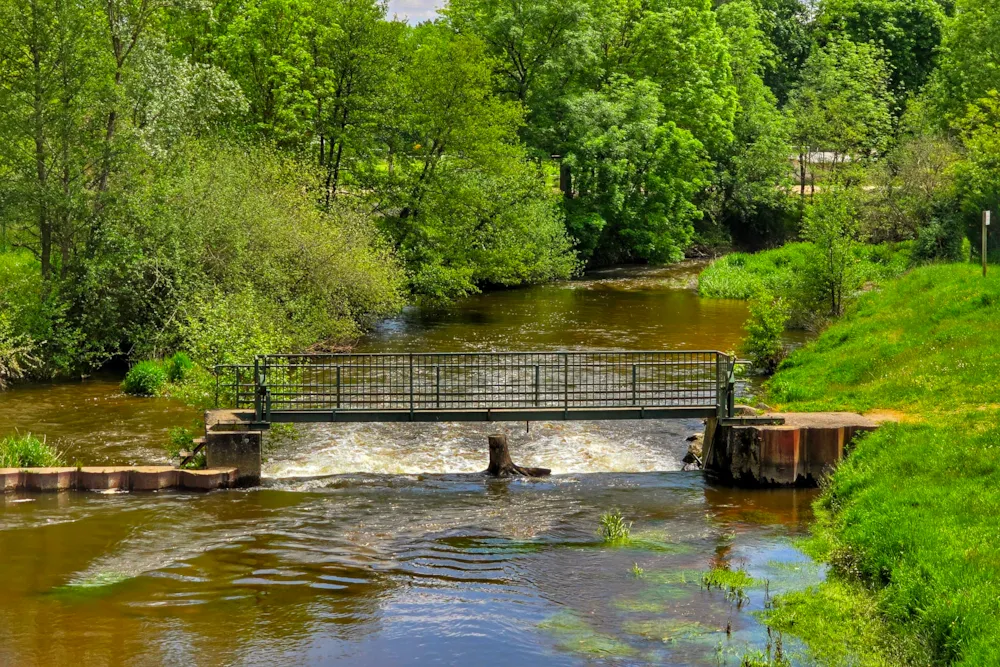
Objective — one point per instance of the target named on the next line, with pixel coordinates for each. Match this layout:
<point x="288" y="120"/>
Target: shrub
<point x="16" y="353"/>
<point x="763" y="345"/>
<point x="941" y="238"/>
<point x="27" y="451"/>
<point x="178" y="366"/>
<point x="146" y="378"/>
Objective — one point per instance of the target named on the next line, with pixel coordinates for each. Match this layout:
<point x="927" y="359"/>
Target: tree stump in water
<point x="501" y="464"/>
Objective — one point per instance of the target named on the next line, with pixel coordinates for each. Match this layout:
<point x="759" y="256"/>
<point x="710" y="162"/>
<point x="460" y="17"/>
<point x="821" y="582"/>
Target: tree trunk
<point x="501" y="464"/>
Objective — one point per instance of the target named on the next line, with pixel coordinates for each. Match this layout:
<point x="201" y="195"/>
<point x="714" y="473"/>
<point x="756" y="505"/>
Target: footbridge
<point x="485" y="386"/>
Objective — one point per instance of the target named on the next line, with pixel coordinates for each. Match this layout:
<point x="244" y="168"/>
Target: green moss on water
<point x="729" y="580"/>
<point x="92" y="586"/>
<point x="669" y="630"/>
<point x="638" y="606"/>
<point x="572" y="634"/>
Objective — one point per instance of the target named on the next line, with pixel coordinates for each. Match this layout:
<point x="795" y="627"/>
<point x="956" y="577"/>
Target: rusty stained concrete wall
<point x="800" y="452"/>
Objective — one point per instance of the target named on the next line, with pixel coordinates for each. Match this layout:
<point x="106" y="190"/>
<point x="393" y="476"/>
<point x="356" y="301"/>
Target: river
<point x="380" y="545"/>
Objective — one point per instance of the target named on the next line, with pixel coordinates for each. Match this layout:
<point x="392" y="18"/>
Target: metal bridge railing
<point x="533" y="381"/>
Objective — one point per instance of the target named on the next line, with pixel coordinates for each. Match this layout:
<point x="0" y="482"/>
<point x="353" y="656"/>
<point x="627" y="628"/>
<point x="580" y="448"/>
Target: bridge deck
<point x="492" y="386"/>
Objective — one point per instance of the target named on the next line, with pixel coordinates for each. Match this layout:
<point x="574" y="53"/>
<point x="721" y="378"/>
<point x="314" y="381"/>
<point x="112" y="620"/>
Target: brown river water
<point x="381" y="545"/>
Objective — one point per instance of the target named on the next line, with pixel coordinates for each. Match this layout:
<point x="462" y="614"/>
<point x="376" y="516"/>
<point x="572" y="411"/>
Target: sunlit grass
<point x="27" y="451"/>
<point x="908" y="520"/>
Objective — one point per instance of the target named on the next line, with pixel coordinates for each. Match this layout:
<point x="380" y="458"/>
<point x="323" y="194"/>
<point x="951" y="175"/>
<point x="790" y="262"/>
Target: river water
<point x="381" y="545"/>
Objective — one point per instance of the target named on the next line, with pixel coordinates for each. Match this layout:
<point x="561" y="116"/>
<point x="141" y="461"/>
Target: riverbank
<point x="908" y="521"/>
<point x="744" y="276"/>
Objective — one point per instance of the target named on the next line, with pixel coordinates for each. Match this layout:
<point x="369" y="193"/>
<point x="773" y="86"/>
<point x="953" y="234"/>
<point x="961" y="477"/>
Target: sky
<point x="414" y="10"/>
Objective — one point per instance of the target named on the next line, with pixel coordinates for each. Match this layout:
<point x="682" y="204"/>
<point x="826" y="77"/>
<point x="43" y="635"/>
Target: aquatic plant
<point x="146" y="378"/>
<point x="27" y="451"/>
<point x="614" y="528"/>
<point x="637" y="571"/>
<point x="733" y="582"/>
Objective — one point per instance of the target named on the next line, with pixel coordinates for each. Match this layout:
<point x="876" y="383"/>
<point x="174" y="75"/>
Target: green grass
<point x="742" y="276"/>
<point x="27" y="451"/>
<point x="909" y="522"/>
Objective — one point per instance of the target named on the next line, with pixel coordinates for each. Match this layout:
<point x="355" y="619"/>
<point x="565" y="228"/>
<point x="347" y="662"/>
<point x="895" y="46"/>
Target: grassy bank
<point x="908" y="522"/>
<point x="742" y="276"/>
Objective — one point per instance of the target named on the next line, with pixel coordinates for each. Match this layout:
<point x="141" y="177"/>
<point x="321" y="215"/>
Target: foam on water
<point x="408" y="449"/>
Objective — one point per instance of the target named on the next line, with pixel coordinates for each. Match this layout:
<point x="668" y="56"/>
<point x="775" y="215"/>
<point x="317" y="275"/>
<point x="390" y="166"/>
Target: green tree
<point x="355" y="58"/>
<point x="752" y="199"/>
<point x="464" y="206"/>
<point x="56" y="81"/>
<point x="970" y="64"/>
<point x="844" y="104"/>
<point x="786" y="25"/>
<point x="637" y="175"/>
<point x="907" y="31"/>
<point x="266" y="48"/>
<point x="833" y="274"/>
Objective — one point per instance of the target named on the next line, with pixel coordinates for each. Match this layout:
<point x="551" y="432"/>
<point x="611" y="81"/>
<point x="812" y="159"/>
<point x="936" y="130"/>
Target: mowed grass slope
<point x="912" y="517"/>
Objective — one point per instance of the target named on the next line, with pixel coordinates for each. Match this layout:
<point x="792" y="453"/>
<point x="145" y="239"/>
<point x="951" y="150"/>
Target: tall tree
<point x="844" y="104"/>
<point x="970" y="62"/>
<point x="750" y="199"/>
<point x="56" y="81"/>
<point x="907" y="31"/>
<point x="637" y="175"/>
<point x="355" y="55"/>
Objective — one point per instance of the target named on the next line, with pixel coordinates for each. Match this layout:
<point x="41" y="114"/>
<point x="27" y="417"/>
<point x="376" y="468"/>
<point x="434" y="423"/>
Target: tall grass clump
<point x="146" y="378"/>
<point x="614" y="528"/>
<point x="27" y="451"/>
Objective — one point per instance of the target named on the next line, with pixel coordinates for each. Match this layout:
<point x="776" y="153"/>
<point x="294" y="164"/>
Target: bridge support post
<point x="235" y="449"/>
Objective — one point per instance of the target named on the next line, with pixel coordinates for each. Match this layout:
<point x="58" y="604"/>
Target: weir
<point x="460" y="387"/>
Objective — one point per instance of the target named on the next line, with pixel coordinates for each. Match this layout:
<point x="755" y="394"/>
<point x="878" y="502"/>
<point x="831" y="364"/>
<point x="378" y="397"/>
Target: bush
<point x="178" y="367"/>
<point x="146" y="378"/>
<point x="941" y="239"/>
<point x="768" y="317"/>
<point x="27" y="451"/>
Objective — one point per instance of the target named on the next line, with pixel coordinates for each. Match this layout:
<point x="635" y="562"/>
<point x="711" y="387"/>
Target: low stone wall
<point x="800" y="452"/>
<point x="119" y="478"/>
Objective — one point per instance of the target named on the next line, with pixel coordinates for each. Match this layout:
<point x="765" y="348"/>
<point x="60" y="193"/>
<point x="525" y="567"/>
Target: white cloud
<point x="414" y="10"/>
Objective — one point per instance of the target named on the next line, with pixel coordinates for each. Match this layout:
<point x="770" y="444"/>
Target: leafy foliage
<point x="146" y="378"/>
<point x="763" y="343"/>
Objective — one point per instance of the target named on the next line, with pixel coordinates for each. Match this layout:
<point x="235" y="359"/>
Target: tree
<point x="355" y="54"/>
<point x="844" y="104"/>
<point x="907" y="31"/>
<point x="786" y="25"/>
<point x="751" y="198"/>
<point x="266" y="49"/>
<point x="463" y="205"/>
<point x="970" y="64"/>
<point x="833" y="272"/>
<point x="54" y="76"/>
<point x="636" y="175"/>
